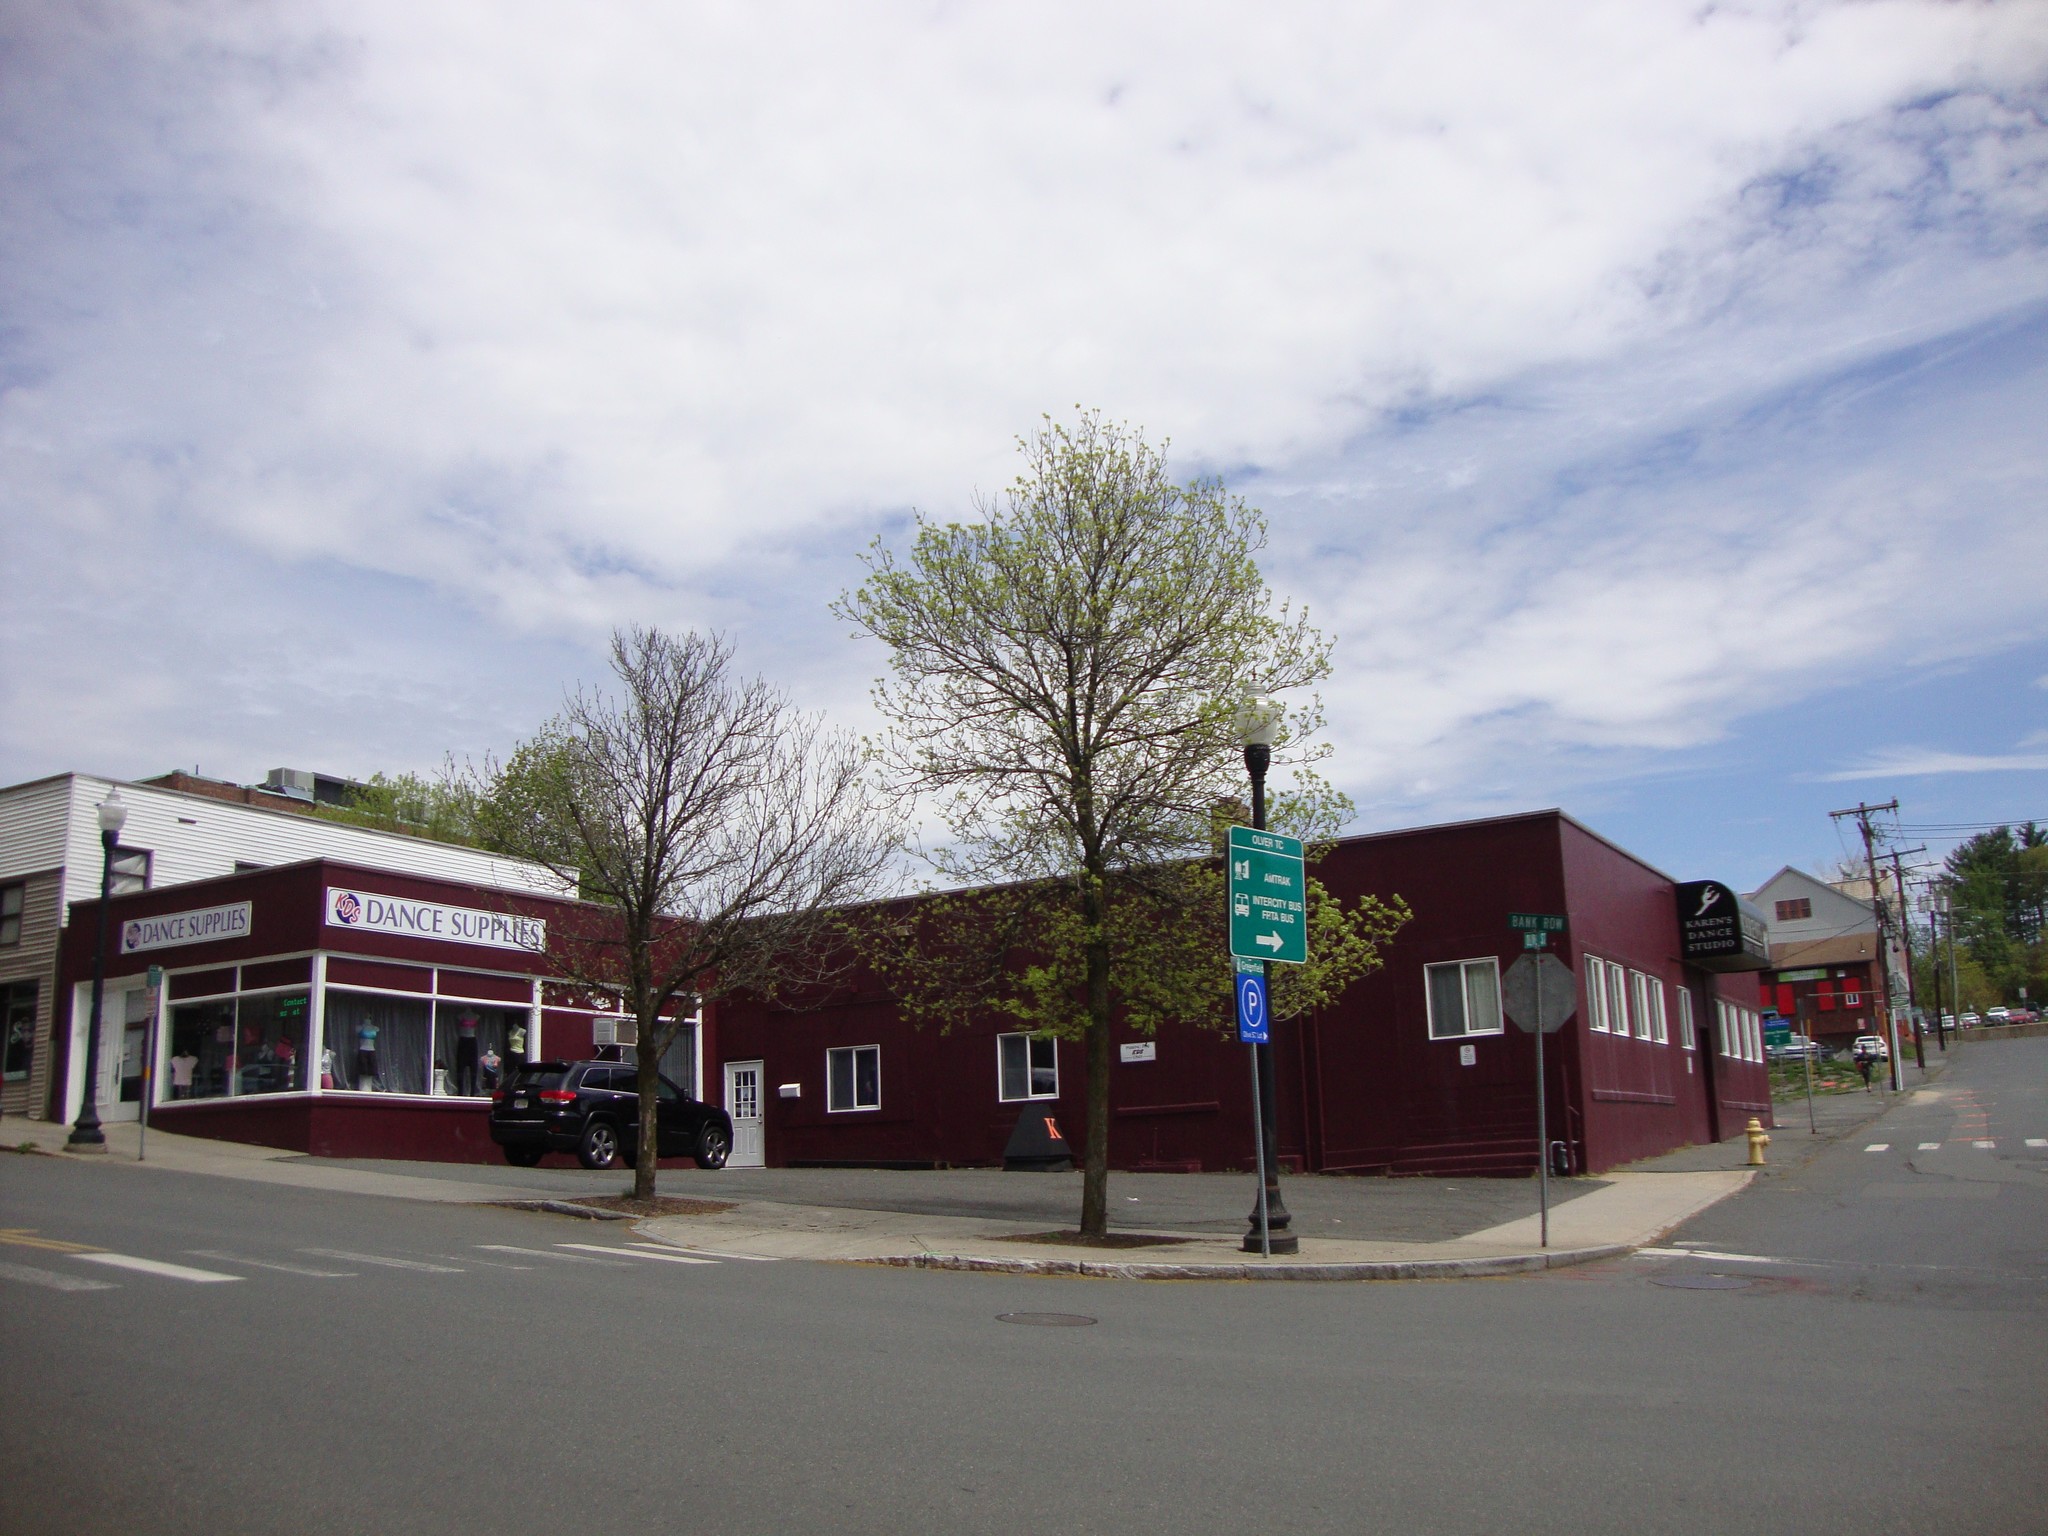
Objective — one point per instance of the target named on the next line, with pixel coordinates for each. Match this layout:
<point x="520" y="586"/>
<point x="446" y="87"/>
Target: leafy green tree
<point x="445" y="807"/>
<point x="1067" y="671"/>
<point x="716" y="828"/>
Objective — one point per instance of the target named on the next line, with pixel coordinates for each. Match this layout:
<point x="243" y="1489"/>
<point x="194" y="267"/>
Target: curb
<point x="1384" y="1269"/>
<point x="563" y="1208"/>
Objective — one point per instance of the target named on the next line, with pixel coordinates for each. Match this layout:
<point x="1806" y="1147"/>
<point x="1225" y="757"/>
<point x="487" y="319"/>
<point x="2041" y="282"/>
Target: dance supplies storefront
<point x="330" y="1008"/>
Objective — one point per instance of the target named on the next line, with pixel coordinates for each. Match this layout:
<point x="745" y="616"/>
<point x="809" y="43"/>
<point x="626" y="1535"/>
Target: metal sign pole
<point x="1542" y="1123"/>
<point x="1259" y="1156"/>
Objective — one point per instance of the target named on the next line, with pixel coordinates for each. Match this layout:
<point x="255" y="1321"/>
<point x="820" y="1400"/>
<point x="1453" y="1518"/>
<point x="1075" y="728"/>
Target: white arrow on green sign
<point x="1268" y="897"/>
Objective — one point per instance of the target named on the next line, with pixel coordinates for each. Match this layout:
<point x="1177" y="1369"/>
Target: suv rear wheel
<point x="600" y="1148"/>
<point x="713" y="1147"/>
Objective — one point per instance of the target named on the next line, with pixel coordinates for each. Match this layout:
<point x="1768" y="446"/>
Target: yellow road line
<point x="24" y="1237"/>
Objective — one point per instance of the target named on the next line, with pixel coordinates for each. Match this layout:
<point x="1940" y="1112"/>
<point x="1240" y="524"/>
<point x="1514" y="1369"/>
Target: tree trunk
<point x="1095" y="1149"/>
<point x="647" y="1068"/>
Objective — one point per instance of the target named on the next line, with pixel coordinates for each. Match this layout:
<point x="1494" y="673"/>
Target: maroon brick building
<point x="1414" y="1070"/>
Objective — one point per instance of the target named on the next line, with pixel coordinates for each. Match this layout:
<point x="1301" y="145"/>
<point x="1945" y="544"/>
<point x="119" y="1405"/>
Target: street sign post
<point x="1251" y="1002"/>
<point x="1524" y="999"/>
<point x="1268" y="897"/>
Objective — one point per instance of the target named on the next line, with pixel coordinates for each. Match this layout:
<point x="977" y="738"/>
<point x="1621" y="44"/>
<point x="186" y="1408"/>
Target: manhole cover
<point x="1702" y="1282"/>
<point x="1047" y="1319"/>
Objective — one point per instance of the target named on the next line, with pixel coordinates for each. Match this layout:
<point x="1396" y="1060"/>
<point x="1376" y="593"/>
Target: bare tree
<point x="715" y="827"/>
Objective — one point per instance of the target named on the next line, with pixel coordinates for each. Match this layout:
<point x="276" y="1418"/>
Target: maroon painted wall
<point x="1362" y="1086"/>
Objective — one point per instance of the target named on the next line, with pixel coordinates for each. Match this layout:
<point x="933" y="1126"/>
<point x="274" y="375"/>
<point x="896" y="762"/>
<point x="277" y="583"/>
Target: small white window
<point x="1639" y="989"/>
<point x="1617" y="999"/>
<point x="1464" y="998"/>
<point x="1724" y="1018"/>
<point x="1756" y="1034"/>
<point x="853" y="1077"/>
<point x="1596" y="994"/>
<point x="1685" y="1034"/>
<point x="1653" y="991"/>
<point x="1027" y="1067"/>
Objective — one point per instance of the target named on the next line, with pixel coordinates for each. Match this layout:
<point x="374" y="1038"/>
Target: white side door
<point x="743" y="1103"/>
<point x="124" y="1042"/>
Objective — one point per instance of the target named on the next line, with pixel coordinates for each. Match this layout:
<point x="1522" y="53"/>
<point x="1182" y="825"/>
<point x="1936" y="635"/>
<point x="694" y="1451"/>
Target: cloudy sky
<point x="1648" y="397"/>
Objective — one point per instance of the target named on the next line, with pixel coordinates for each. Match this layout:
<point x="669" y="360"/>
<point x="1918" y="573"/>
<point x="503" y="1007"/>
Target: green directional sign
<point x="1268" y="897"/>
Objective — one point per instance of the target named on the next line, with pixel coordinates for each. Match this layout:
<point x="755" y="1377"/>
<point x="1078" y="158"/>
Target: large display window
<point x="447" y="1047"/>
<point x="226" y="1047"/>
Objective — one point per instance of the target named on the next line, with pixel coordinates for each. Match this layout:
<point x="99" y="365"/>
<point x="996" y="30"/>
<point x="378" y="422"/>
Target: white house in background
<point x="1824" y="955"/>
<point x="50" y="857"/>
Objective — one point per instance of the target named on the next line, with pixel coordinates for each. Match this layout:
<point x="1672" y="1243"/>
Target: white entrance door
<point x="743" y="1103"/>
<point x="124" y="1042"/>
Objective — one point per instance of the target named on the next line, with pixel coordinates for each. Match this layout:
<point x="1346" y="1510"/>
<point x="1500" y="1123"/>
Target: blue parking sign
<point x="1251" y="1005"/>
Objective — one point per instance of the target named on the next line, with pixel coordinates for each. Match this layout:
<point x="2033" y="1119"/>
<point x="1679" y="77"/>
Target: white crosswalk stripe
<point x="2037" y="1141"/>
<point x="159" y="1268"/>
<point x="377" y="1258"/>
<point x="50" y="1280"/>
<point x="1715" y="1253"/>
<point x="1985" y="1146"/>
<point x="669" y="1257"/>
<point x="284" y="1269"/>
<point x="1879" y="1146"/>
<point x="1930" y="1146"/>
<point x="711" y="1253"/>
<point x="546" y="1253"/>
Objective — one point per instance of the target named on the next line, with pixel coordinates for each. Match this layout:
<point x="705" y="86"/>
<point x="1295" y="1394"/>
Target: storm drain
<point x="1046" y="1319"/>
<point x="1702" y="1282"/>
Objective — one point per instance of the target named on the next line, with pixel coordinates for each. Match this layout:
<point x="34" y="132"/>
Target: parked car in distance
<point x="1997" y="1015"/>
<point x="1794" y="1048"/>
<point x="1872" y="1046"/>
<point x="1968" y="1021"/>
<point x="2023" y="1016"/>
<point x="592" y="1108"/>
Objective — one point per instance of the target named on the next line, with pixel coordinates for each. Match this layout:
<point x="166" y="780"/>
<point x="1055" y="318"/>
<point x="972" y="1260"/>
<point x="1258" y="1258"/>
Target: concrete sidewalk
<point x="1626" y="1211"/>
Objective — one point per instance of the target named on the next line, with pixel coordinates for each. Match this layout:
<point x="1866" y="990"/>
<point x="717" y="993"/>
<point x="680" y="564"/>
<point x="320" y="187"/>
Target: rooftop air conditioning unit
<point x="295" y="782"/>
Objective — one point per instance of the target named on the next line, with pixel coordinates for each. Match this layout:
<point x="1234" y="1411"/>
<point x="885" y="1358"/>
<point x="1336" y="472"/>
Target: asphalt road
<point x="1866" y="1360"/>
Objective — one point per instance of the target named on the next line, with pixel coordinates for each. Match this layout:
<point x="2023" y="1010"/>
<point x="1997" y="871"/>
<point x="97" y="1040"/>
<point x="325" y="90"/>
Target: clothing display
<point x="181" y="1075"/>
<point x="465" y="1053"/>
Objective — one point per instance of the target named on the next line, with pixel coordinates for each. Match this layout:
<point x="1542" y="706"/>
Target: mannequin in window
<point x="182" y="1066"/>
<point x="289" y="1057"/>
<point x="366" y="1057"/>
<point x="465" y="1051"/>
<point x="515" y="1044"/>
<point x="492" y="1065"/>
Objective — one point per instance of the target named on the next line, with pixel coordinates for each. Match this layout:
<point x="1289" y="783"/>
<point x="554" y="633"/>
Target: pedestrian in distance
<point x="1863" y="1061"/>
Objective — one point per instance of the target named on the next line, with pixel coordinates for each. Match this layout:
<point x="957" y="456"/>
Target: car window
<point x="665" y="1091"/>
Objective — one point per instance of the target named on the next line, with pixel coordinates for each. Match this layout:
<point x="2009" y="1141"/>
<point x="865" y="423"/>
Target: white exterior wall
<point x="1834" y="914"/>
<point x="54" y="822"/>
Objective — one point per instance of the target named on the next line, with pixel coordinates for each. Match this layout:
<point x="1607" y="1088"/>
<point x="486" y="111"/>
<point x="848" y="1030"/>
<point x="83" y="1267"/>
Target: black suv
<point x="592" y="1108"/>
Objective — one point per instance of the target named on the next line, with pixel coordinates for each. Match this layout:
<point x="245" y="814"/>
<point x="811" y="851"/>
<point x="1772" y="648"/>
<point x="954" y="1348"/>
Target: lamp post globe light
<point x="85" y="1130"/>
<point x="1258" y="728"/>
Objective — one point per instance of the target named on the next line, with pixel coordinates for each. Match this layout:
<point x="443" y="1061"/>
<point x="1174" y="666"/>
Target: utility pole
<point x="1934" y="963"/>
<point x="1906" y="934"/>
<point x="1863" y="813"/>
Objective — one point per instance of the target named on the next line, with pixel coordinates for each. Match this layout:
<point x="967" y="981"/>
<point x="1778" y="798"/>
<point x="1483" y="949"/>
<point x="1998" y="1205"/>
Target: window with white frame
<point x="1027" y="1067"/>
<point x="1639" y="998"/>
<point x="853" y="1077"/>
<point x="1464" y="998"/>
<point x="11" y="900"/>
<point x="1596" y="994"/>
<point x="1685" y="1034"/>
<point x="1756" y="1034"/>
<point x="1660" y="1027"/>
<point x="1617" y="999"/>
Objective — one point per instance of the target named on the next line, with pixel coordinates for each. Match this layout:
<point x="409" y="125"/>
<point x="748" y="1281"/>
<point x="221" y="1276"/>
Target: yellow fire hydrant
<point x="1758" y="1140"/>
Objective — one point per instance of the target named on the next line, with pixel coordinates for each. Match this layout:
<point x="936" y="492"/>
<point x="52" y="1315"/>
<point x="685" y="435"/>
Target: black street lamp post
<point x="85" y="1130"/>
<point x="1259" y="723"/>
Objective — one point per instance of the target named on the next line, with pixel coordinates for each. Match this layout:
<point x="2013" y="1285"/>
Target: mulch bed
<point x="1073" y="1239"/>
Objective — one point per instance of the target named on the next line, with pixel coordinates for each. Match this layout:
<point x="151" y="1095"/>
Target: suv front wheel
<point x="713" y="1147"/>
<point x="600" y="1148"/>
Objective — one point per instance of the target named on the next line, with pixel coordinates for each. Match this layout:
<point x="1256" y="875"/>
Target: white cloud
<point x="1565" y="347"/>
<point x="1910" y="762"/>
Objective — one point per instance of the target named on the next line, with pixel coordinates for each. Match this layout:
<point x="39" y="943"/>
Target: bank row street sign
<point x="1268" y="897"/>
<point x="1536" y="928"/>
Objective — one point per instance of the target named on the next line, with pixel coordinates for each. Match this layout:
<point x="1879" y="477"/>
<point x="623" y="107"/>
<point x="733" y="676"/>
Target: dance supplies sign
<point x="368" y="912"/>
<point x="173" y="928"/>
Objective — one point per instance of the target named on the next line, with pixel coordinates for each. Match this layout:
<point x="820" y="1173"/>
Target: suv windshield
<point x="544" y="1074"/>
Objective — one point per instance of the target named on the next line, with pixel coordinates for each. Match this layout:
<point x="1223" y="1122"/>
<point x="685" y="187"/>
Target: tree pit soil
<point x="660" y="1205"/>
<point x="1073" y="1239"/>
